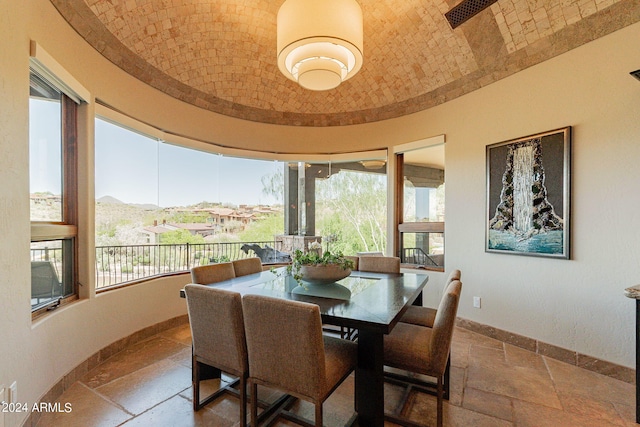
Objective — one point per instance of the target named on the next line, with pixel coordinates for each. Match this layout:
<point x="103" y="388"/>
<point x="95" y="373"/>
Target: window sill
<point x="416" y="269"/>
<point x="41" y="312"/>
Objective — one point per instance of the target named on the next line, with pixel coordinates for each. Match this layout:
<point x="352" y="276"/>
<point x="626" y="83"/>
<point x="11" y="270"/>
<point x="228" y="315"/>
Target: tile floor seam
<point x="154" y="406"/>
<point x="615" y="408"/>
<point x="177" y="341"/>
<point x="553" y="381"/>
<point x="465" y="377"/>
<point x="513" y="412"/>
<point x="145" y="365"/>
<point x="106" y="399"/>
<point x="511" y="399"/>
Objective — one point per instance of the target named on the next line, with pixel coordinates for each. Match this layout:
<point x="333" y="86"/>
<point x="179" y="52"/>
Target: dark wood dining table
<point x="372" y="303"/>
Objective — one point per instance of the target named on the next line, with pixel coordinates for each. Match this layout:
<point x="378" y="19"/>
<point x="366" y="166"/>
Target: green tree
<point x="264" y="229"/>
<point x="177" y="237"/>
<point x="351" y="211"/>
<point x="273" y="184"/>
<point x="187" y="217"/>
<point x="223" y="238"/>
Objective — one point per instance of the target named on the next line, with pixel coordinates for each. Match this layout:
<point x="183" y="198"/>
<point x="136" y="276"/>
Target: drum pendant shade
<point x="319" y="41"/>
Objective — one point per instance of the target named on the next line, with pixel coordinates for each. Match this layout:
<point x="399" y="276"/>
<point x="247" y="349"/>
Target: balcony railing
<point x="122" y="264"/>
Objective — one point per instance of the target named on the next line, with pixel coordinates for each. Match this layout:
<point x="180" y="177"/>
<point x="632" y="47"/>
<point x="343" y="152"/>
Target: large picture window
<point x="163" y="208"/>
<point x="53" y="194"/>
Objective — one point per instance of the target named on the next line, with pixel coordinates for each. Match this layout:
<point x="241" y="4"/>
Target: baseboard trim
<point x="100" y="356"/>
<point x="590" y="363"/>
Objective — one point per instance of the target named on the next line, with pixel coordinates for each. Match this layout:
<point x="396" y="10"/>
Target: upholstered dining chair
<point x="424" y="350"/>
<point x="424" y="316"/>
<point x="217" y="332"/>
<point x="212" y="273"/>
<point x="242" y="267"/>
<point x="288" y="352"/>
<point x="379" y="264"/>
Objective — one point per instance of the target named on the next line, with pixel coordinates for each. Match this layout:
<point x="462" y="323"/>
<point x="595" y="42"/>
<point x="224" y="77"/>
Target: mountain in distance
<point x="109" y="200"/>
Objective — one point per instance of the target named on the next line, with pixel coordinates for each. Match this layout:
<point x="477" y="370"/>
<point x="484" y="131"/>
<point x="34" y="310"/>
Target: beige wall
<point x="576" y="304"/>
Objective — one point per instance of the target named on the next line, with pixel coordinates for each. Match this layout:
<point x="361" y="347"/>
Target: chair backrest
<point x="379" y="264"/>
<point x="44" y="280"/>
<point x="285" y="344"/>
<point x="443" y="326"/>
<point x="217" y="327"/>
<point x="212" y="273"/>
<point x="242" y="267"/>
<point x="455" y="275"/>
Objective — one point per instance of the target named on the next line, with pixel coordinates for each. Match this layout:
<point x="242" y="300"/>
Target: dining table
<point x="372" y="303"/>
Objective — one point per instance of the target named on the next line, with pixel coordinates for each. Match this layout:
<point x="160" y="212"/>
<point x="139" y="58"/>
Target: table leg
<point x="370" y="379"/>
<point x="418" y="300"/>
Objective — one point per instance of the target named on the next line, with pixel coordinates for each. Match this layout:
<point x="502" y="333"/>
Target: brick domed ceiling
<point x="221" y="56"/>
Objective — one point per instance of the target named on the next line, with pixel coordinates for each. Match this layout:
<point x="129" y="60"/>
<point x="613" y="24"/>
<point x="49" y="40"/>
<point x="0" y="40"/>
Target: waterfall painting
<point x="528" y="191"/>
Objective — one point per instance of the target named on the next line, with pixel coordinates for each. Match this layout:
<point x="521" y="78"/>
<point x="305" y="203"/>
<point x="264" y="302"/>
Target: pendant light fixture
<point x="319" y="41"/>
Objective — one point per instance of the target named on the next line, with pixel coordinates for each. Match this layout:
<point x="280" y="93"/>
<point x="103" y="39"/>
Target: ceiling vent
<point x="465" y="10"/>
<point x="636" y="74"/>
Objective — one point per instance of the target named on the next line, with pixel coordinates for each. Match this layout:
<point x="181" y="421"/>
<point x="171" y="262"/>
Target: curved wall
<point x="577" y="304"/>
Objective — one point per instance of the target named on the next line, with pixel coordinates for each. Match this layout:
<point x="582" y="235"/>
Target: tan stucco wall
<point x="576" y="304"/>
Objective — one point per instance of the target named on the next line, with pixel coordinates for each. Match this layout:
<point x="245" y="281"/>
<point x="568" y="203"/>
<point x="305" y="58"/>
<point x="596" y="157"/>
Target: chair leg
<point x="243" y="401"/>
<point x="447" y="378"/>
<point x="319" y="414"/>
<point x="254" y="403"/>
<point x="439" y="402"/>
<point x="195" y="381"/>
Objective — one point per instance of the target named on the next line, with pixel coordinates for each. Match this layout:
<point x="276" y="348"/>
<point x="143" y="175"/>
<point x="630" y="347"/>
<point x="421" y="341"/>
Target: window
<point x="351" y="207"/>
<point x="53" y="194"/>
<point x="342" y="203"/>
<point x="45" y="150"/>
<point x="420" y="231"/>
<point x="163" y="208"/>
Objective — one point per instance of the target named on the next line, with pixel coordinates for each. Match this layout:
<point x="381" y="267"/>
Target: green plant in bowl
<point x="318" y="268"/>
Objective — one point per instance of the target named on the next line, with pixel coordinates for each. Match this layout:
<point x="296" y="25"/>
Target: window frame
<point x="66" y="230"/>
<point x="398" y="205"/>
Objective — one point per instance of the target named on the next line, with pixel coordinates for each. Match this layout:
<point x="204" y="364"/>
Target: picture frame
<point x="528" y="195"/>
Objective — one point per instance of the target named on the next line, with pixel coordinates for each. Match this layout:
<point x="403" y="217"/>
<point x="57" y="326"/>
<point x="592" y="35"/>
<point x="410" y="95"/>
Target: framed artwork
<point x="528" y="195"/>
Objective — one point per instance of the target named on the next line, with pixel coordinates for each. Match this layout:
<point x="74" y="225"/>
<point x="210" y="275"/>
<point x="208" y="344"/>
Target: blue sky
<point x="136" y="169"/>
<point x="44" y="147"/>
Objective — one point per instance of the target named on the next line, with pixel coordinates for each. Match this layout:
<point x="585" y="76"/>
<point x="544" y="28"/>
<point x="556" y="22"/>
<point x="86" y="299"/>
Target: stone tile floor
<point x="492" y="384"/>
